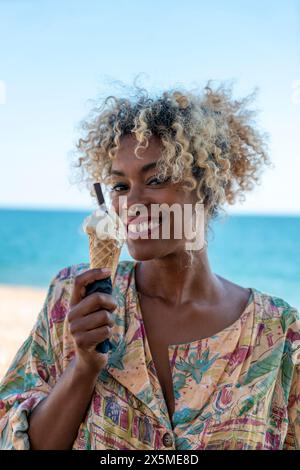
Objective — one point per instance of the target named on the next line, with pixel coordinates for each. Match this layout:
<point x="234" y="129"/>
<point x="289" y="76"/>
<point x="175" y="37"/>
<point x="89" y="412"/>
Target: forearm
<point x="54" y="423"/>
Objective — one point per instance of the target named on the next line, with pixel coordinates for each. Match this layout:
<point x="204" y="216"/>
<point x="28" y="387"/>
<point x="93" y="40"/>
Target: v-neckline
<point x="178" y="349"/>
<point x="249" y="308"/>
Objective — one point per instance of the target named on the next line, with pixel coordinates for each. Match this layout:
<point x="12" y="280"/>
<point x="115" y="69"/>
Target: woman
<point x="197" y="361"/>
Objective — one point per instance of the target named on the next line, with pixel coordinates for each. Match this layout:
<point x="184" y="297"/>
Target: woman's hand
<point x="90" y="321"/>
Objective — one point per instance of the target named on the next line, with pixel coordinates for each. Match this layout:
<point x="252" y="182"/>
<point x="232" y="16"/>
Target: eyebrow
<point x="144" y="169"/>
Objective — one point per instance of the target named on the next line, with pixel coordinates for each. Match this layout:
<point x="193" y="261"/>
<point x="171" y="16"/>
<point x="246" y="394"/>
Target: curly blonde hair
<point x="210" y="141"/>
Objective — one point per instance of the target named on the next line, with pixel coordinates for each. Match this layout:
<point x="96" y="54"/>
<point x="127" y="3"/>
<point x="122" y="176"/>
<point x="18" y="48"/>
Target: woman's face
<point x="136" y="180"/>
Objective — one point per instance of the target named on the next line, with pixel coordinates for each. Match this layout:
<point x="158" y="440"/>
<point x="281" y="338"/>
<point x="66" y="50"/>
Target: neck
<point x="174" y="280"/>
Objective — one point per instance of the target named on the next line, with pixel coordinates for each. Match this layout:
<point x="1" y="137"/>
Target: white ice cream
<point x="107" y="225"/>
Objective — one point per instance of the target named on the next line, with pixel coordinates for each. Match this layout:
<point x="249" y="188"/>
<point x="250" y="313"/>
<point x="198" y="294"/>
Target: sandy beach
<point x="19" y="308"/>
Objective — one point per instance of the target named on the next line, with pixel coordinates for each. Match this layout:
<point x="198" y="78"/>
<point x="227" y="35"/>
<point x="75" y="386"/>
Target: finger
<point x="82" y="280"/>
<point x="92" y="321"/>
<point x="92" y="303"/>
<point x="92" y="338"/>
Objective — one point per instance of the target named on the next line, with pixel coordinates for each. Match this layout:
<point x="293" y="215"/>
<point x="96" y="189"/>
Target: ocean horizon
<point x="260" y="251"/>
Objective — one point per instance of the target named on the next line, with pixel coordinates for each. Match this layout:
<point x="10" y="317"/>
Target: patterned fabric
<point x="238" y="389"/>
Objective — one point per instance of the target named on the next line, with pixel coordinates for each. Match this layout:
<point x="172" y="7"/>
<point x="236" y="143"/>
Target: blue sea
<point x="253" y="251"/>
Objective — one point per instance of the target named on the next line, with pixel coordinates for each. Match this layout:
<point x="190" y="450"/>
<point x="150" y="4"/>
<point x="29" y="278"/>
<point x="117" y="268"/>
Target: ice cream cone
<point x="106" y="233"/>
<point x="103" y="253"/>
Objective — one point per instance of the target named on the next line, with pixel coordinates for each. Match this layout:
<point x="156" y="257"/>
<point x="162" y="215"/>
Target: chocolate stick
<point x="100" y="197"/>
<point x="99" y="194"/>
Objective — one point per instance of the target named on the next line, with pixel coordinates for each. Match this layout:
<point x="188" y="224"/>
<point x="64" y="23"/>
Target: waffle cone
<point x="104" y="253"/>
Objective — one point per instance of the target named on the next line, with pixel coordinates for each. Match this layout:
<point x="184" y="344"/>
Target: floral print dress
<point x="238" y="389"/>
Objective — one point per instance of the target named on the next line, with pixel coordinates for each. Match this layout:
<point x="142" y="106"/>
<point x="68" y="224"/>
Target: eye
<point x="119" y="187"/>
<point x="156" y="181"/>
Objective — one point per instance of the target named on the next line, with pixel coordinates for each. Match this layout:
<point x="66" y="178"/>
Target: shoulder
<point x="60" y="288"/>
<point x="58" y="305"/>
<point x="63" y="280"/>
<point x="279" y="319"/>
<point x="272" y="307"/>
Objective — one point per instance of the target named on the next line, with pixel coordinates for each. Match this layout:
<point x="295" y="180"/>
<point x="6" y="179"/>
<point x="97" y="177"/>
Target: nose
<point x="137" y="202"/>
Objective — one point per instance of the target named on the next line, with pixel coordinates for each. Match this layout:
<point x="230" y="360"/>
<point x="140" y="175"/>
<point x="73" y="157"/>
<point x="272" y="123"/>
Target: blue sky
<point x="57" y="55"/>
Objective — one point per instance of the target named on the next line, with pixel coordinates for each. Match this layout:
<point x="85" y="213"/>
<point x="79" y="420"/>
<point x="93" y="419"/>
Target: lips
<point x="140" y="225"/>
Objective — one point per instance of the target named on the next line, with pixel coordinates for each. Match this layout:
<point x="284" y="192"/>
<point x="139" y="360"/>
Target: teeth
<point x="132" y="228"/>
<point x="142" y="227"/>
<point x="153" y="225"/>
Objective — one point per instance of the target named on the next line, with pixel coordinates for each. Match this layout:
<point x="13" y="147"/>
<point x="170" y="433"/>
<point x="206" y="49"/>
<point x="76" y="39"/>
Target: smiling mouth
<point x="144" y="228"/>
